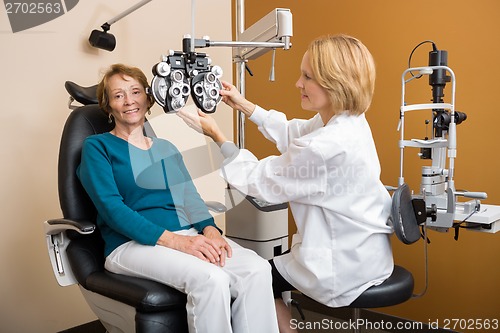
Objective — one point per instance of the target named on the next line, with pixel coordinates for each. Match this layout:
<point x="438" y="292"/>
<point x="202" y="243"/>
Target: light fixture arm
<point x="107" y="41"/>
<point x="125" y="13"/>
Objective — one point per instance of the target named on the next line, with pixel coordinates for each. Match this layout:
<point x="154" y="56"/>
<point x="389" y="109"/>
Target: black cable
<point x="434" y="48"/>
<point x="458" y="225"/>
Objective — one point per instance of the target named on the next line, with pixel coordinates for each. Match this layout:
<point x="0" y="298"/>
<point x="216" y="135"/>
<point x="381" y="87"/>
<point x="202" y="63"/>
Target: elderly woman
<point x="156" y="226"/>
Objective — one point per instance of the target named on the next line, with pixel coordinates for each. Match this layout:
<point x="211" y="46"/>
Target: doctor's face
<point x="313" y="96"/>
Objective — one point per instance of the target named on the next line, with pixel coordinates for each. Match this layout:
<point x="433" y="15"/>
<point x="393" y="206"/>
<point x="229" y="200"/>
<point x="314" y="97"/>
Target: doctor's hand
<point x="232" y="97"/>
<point x="203" y="123"/>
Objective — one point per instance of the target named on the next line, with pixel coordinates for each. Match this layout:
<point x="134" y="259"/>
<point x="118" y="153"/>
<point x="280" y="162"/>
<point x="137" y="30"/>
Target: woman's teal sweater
<point x="139" y="193"/>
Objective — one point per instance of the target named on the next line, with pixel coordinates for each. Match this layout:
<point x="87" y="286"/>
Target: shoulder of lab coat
<point x="275" y="126"/>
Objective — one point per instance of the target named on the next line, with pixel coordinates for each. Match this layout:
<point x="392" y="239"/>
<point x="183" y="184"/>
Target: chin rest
<point x="403" y="215"/>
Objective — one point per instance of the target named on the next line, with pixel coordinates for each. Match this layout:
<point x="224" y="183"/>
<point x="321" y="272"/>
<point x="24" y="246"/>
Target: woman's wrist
<point x="166" y="239"/>
<point x="210" y="231"/>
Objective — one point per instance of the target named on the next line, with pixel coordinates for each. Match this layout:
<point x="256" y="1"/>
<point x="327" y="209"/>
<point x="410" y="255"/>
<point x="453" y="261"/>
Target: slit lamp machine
<point x="438" y="197"/>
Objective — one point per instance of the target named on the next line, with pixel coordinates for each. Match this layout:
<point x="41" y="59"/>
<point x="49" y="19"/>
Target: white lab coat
<point x="330" y="175"/>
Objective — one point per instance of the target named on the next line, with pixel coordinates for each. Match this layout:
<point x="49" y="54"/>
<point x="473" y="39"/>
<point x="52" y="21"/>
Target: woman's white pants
<point x="235" y="298"/>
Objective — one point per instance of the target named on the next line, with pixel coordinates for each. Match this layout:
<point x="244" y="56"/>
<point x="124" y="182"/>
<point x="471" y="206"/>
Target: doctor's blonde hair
<point x="345" y="68"/>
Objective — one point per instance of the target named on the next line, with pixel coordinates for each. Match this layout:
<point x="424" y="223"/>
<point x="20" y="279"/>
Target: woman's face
<point x="313" y="96"/>
<point x="127" y="99"/>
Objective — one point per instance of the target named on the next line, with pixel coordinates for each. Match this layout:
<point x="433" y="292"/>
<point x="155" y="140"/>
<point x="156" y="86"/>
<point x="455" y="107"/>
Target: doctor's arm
<point x="298" y="175"/>
<point x="232" y="97"/>
<point x="273" y="124"/>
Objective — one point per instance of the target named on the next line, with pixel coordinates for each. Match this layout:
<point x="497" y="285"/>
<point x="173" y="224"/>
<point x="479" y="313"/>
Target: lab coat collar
<point x="339" y="116"/>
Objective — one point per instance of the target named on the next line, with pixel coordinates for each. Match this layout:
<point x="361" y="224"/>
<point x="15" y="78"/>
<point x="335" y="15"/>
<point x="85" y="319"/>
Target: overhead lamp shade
<point x="102" y="40"/>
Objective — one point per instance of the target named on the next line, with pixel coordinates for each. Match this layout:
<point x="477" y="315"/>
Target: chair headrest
<point x="403" y="216"/>
<point x="84" y="95"/>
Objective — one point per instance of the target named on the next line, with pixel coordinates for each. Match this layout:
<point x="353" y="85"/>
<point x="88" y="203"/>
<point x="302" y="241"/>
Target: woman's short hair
<point x="120" y="69"/>
<point x="345" y="68"/>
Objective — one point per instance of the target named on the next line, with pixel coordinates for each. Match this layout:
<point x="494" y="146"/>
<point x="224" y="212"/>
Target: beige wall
<point x="464" y="274"/>
<point x="34" y="65"/>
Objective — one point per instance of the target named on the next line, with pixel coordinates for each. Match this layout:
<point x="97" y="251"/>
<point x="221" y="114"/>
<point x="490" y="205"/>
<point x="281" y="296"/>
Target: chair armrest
<point x="215" y="206"/>
<point x="145" y="295"/>
<point x="55" y="226"/>
<point x="58" y="240"/>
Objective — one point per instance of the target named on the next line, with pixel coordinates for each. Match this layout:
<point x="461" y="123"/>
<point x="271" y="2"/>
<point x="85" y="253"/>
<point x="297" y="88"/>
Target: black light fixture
<point x="105" y="40"/>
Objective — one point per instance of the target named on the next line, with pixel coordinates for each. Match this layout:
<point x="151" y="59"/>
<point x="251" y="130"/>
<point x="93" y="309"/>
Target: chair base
<point x="342" y="319"/>
<point x="396" y="289"/>
<point x="356" y="315"/>
<point x="119" y="317"/>
<point x="115" y="316"/>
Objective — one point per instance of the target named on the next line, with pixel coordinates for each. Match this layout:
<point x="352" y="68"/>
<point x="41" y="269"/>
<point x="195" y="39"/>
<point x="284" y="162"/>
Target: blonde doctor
<point x="328" y="171"/>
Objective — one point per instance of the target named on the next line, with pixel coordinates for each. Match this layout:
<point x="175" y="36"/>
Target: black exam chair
<point x="398" y="287"/>
<point x="122" y="303"/>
